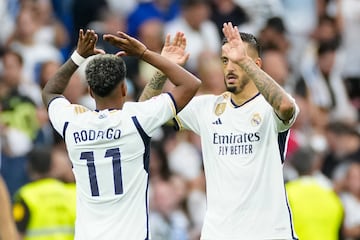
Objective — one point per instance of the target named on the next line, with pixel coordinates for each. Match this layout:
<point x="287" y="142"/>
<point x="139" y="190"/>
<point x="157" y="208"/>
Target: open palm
<point x="175" y="50"/>
<point x="234" y="49"/>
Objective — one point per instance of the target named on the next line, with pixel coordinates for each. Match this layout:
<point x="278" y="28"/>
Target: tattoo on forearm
<point x="154" y="86"/>
<point x="62" y="77"/>
<point x="272" y="92"/>
<point x="157" y="81"/>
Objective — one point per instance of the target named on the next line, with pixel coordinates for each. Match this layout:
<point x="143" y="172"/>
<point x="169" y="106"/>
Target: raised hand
<point x="234" y="49"/>
<point x="175" y="50"/>
<point x="86" y="45"/>
<point x="128" y="46"/>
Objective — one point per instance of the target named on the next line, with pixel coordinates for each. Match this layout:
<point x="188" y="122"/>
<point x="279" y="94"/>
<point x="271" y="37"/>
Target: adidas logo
<point x="217" y="122"/>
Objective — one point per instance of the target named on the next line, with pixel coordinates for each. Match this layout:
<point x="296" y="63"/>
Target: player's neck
<point x="245" y="95"/>
<point x="109" y="103"/>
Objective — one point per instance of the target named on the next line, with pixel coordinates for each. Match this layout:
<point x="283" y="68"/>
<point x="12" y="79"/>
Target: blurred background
<point x="310" y="47"/>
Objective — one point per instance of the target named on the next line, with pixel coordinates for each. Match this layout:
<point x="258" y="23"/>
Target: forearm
<point x="175" y="73"/>
<point x="58" y="83"/>
<point x="186" y="84"/>
<point x="274" y="94"/>
<point x="153" y="87"/>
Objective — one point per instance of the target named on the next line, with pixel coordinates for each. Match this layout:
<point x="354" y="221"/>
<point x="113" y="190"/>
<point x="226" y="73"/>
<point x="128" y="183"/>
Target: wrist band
<point x="77" y="58"/>
<point x="142" y="54"/>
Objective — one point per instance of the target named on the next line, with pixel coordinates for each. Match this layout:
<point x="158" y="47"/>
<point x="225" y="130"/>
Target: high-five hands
<point x="173" y="50"/>
<point x="129" y="46"/>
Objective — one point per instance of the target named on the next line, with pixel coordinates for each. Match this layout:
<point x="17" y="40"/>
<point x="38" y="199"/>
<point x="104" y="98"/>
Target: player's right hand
<point x="234" y="49"/>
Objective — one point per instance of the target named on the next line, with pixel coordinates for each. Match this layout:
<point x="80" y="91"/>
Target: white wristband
<point x="77" y="58"/>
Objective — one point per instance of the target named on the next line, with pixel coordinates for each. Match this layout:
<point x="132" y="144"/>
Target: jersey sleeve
<point x="153" y="113"/>
<point x="61" y="111"/>
<point x="283" y="126"/>
<point x="188" y="117"/>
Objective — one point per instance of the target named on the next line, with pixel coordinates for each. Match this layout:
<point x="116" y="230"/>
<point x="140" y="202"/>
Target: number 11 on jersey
<point x="114" y="153"/>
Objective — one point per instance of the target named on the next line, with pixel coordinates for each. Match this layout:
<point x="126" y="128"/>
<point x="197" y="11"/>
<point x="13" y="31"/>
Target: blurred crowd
<point x="310" y="47"/>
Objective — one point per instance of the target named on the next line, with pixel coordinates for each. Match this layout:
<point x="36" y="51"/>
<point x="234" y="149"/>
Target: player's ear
<point x="123" y="88"/>
<point x="90" y="92"/>
<point x="258" y="62"/>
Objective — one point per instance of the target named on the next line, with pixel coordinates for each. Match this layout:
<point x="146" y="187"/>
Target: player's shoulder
<point x="61" y="106"/>
<point x="204" y="102"/>
<point x="149" y="105"/>
<point x="157" y="98"/>
<point x="211" y="98"/>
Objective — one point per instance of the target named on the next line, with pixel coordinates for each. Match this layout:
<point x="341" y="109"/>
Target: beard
<point x="237" y="89"/>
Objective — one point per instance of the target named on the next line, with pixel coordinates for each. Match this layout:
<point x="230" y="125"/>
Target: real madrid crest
<point x="220" y="108"/>
<point x="256" y="119"/>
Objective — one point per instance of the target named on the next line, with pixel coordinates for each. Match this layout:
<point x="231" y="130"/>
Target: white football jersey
<point x="109" y="151"/>
<point x="243" y="152"/>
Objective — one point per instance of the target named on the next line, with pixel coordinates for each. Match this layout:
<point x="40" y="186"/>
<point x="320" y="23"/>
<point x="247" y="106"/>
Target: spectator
<point x="43" y="208"/>
<point x="151" y="33"/>
<point x="201" y="33"/>
<point x="18" y="120"/>
<point x="259" y="11"/>
<point x="274" y="63"/>
<point x="7" y="24"/>
<point x="108" y="21"/>
<point x="300" y="19"/>
<point x="159" y="167"/>
<point x="346" y="13"/>
<point x="161" y="10"/>
<point x="326" y="31"/>
<point x="227" y="11"/>
<point x="51" y="30"/>
<point x="168" y="219"/>
<point x="317" y="210"/>
<point x="14" y="80"/>
<point x="350" y="196"/>
<point x="343" y="147"/>
<point x="84" y="12"/>
<point x="274" y="35"/>
<point x="24" y="42"/>
<point x="326" y="86"/>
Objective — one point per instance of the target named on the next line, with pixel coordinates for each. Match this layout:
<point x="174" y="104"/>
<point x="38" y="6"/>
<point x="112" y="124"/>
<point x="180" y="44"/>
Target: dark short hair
<point x="104" y="72"/>
<point x="328" y="46"/>
<point x="250" y="39"/>
<point x="277" y="24"/>
<point x="303" y="160"/>
<point x="342" y="128"/>
<point x="191" y="3"/>
<point x="39" y="160"/>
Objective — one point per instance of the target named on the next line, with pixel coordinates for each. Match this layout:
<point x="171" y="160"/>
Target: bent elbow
<point x="287" y="110"/>
<point x="195" y="85"/>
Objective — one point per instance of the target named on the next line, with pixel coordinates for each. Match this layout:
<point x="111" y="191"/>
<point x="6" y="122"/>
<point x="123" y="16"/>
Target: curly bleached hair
<point x="104" y="72"/>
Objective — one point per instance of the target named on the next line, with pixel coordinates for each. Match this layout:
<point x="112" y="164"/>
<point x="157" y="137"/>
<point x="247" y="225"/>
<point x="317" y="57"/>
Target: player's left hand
<point x="234" y="49"/>
<point x="175" y="50"/>
<point x="86" y="45"/>
<point x="129" y="46"/>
